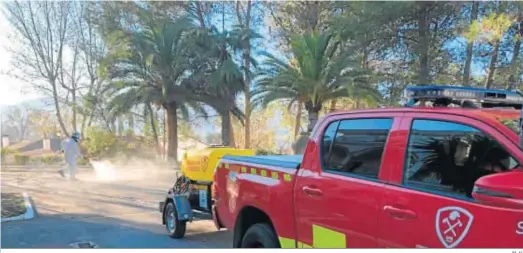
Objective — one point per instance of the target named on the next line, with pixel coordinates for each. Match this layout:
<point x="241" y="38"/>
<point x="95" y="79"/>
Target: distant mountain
<point x="38" y="104"/>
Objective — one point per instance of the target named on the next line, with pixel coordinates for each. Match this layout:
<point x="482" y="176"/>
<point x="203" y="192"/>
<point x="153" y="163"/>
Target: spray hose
<point x="181" y="186"/>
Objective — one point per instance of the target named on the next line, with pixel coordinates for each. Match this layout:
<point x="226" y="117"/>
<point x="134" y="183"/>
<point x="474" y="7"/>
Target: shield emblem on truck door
<point x="452" y="225"/>
<point x="204" y="162"/>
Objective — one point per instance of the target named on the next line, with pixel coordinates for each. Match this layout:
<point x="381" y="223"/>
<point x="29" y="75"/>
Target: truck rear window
<point x="512" y="124"/>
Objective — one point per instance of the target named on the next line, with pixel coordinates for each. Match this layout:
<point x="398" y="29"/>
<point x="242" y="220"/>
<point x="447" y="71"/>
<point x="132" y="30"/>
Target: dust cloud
<point x="125" y="169"/>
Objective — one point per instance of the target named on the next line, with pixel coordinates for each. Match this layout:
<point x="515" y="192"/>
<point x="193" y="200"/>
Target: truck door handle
<point x="399" y="213"/>
<point x="312" y="191"/>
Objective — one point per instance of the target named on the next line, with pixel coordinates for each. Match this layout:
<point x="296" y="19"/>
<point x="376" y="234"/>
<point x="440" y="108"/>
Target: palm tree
<point x="152" y="72"/>
<point x="216" y="79"/>
<point x="319" y="72"/>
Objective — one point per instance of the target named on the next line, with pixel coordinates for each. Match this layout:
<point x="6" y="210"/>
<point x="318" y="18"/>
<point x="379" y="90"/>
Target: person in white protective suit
<point x="71" y="150"/>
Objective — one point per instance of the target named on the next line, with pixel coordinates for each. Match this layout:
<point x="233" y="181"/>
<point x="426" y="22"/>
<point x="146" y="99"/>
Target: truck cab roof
<point x="491" y="113"/>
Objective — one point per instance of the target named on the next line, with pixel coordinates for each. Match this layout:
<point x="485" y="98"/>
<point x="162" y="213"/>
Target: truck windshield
<point x="512" y="124"/>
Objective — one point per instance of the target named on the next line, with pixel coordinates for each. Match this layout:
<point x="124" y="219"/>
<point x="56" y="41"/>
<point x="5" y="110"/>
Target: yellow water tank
<point x="199" y="164"/>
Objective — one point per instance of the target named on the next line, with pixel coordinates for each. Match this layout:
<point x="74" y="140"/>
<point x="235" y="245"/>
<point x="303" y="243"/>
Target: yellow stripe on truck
<point x="326" y="238"/>
<point x="287" y="243"/>
<point x="322" y="238"/>
<point x="302" y="245"/>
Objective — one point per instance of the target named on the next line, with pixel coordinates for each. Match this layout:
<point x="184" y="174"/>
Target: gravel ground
<point x="112" y="214"/>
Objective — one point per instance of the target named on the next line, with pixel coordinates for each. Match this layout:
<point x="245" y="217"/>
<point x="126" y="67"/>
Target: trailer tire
<point x="175" y="228"/>
<point x="260" y="235"/>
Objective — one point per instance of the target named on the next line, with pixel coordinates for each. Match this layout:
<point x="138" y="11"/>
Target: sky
<point x="12" y="90"/>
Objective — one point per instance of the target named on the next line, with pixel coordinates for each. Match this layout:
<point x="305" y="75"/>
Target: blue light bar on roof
<point x="457" y="92"/>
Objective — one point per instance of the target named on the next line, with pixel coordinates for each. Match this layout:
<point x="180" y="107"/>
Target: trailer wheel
<point x="260" y="235"/>
<point x="175" y="228"/>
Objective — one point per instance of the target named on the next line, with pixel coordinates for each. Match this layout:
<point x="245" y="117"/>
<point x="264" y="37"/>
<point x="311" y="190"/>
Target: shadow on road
<point x="59" y="231"/>
<point x="120" y="214"/>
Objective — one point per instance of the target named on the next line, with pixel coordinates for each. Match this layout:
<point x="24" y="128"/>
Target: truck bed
<point x="268" y="177"/>
<point x="283" y="161"/>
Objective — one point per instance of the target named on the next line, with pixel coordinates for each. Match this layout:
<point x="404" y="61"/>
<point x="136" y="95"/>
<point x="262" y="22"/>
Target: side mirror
<point x="501" y="190"/>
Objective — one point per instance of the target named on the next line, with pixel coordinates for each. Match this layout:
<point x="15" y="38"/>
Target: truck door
<point x="338" y="191"/>
<point x="429" y="201"/>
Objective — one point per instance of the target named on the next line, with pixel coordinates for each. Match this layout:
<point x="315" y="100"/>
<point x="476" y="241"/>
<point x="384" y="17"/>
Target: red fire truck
<point x="446" y="174"/>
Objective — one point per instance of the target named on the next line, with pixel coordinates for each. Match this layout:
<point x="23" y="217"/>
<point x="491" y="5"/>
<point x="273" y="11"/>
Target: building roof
<point x="29" y="147"/>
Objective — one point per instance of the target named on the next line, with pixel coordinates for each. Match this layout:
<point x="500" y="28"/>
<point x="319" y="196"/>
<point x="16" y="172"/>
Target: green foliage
<point x="265" y="152"/>
<point x="492" y="28"/>
<point x="52" y="159"/>
<point x="47" y="159"/>
<point x="100" y="143"/>
<point x="318" y="72"/>
<point x="6" y="151"/>
<point x="512" y="124"/>
<point x="83" y="161"/>
<point x="21" y="159"/>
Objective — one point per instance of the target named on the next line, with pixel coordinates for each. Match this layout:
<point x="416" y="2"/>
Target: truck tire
<point x="175" y="228"/>
<point x="260" y="235"/>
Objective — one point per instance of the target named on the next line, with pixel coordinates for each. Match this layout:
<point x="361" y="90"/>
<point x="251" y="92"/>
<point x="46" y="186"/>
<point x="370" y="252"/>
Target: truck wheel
<point x="175" y="228"/>
<point x="260" y="235"/>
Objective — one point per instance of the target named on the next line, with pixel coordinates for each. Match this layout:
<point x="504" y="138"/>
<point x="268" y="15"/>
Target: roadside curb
<point x="29" y="212"/>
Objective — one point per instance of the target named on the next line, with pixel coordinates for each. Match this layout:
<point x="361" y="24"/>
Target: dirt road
<point x="111" y="214"/>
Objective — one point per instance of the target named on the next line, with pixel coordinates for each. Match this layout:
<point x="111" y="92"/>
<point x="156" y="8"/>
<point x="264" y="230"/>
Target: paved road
<point x="112" y="214"/>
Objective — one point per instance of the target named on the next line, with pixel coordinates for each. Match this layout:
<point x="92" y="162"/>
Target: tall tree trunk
<point x="152" y="117"/>
<point x="130" y="119"/>
<point x="298" y="121"/>
<point x="73" y="122"/>
<point x="226" y="127"/>
<point x="58" y="113"/>
<point x="232" y="141"/>
<point x="424" y="41"/>
<point x="120" y="126"/>
<point x="247" y="65"/>
<point x="172" y="132"/>
<point x="313" y="118"/>
<point x="113" y="126"/>
<point x="164" y="134"/>
<point x="492" y="65"/>
<point x="470" y="47"/>
<point x="512" y="79"/>
<point x="95" y="103"/>
<point x="82" y="126"/>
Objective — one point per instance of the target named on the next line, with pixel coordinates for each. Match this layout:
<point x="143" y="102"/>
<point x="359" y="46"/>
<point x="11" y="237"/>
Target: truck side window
<point x="449" y="157"/>
<point x="358" y="146"/>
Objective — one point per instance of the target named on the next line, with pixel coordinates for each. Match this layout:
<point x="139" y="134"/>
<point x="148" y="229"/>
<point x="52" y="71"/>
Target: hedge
<point x="21" y="159"/>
